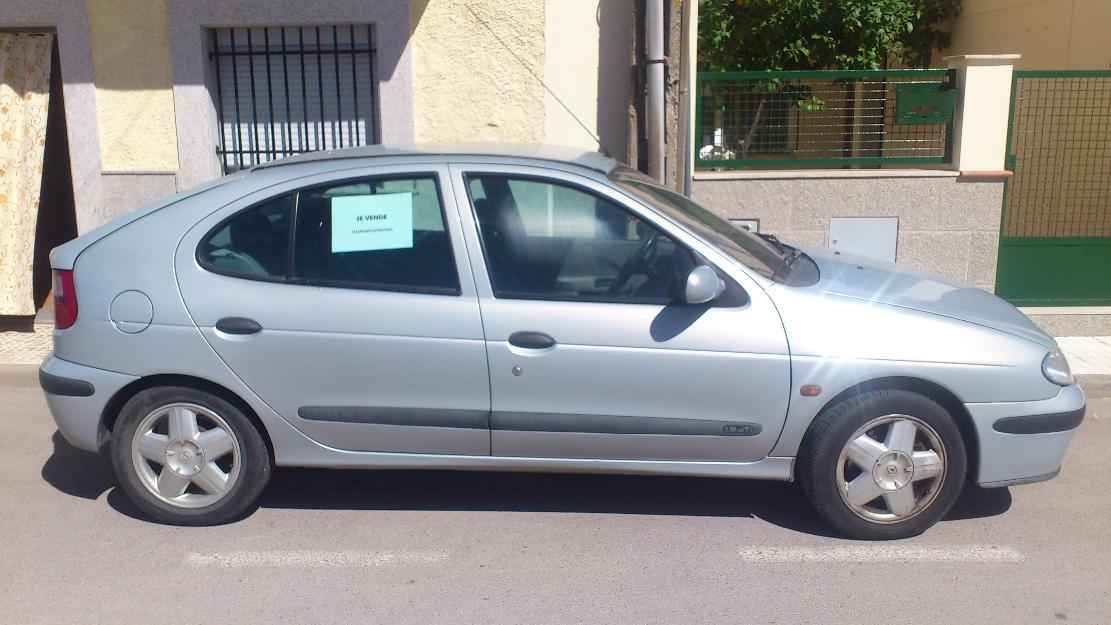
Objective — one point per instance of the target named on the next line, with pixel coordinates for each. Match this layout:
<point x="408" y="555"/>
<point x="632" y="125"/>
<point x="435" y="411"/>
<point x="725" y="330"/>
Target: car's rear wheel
<point x="883" y="465"/>
<point x="188" y="457"/>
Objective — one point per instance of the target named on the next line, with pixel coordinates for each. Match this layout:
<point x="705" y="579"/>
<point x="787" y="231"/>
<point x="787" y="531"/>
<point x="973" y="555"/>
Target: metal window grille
<point x="285" y="90"/>
<point x="825" y="118"/>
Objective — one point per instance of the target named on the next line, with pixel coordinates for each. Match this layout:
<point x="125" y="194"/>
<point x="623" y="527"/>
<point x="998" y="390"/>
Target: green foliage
<point x="820" y="34"/>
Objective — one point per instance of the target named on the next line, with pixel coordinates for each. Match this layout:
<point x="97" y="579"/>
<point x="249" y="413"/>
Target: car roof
<point x="526" y="151"/>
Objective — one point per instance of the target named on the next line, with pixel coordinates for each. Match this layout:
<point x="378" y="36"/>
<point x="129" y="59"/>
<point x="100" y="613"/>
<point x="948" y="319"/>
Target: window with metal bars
<point x="285" y="90"/>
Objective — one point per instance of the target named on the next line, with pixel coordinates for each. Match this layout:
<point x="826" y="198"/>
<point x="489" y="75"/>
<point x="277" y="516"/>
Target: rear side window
<point x="376" y="233"/>
<point x="253" y="243"/>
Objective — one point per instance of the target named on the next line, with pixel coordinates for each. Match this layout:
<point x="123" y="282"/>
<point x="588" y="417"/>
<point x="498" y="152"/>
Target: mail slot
<point x="924" y="103"/>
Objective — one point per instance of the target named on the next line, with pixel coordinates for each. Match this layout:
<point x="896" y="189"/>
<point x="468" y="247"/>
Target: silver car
<point x="530" y="309"/>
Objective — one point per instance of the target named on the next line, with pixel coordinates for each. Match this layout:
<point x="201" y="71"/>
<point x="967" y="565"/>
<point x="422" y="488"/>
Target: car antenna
<point x="605" y="151"/>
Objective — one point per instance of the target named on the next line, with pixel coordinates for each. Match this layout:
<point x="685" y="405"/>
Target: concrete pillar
<point x="983" y="110"/>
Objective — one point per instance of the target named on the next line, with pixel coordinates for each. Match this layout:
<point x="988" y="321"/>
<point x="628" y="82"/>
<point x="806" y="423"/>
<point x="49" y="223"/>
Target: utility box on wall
<point x="870" y="237"/>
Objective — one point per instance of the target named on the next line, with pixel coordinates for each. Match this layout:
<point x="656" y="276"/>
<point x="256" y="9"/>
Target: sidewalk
<point x="1087" y="354"/>
<point x="21" y="347"/>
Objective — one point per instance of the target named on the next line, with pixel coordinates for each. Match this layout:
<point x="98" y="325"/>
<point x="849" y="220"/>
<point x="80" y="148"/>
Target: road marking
<point x="881" y="553"/>
<point x="312" y="559"/>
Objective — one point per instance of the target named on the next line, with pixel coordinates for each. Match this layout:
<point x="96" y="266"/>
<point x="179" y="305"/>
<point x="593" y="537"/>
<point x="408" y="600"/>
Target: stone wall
<point x="948" y="224"/>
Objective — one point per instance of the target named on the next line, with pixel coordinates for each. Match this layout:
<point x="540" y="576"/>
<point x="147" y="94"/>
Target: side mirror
<point x="703" y="285"/>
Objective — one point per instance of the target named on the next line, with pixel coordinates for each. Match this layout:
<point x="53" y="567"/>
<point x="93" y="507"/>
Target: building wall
<point x="134" y="90"/>
<point x="947" y="224"/>
<point x="478" y="67"/>
<point x="1049" y="34"/>
<point x="69" y="19"/>
<point x="142" y="124"/>
<point x="467" y="85"/>
<point x="571" y="42"/>
<point x="194" y="110"/>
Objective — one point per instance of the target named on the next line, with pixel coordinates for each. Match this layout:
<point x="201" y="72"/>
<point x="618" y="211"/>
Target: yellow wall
<point x="466" y="85"/>
<point x="134" y="98"/>
<point x="1049" y="34"/>
<point x="571" y="71"/>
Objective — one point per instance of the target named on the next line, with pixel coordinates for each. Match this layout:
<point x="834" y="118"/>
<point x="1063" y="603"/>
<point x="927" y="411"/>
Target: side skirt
<point x="778" y="468"/>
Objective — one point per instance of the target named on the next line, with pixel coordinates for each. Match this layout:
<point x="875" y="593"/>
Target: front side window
<point x="547" y="240"/>
<point x="253" y="243"/>
<point x="765" y="255"/>
<point x="376" y="233"/>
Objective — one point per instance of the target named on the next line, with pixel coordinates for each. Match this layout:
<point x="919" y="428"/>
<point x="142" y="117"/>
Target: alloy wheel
<point x="186" y="455"/>
<point x="891" y="469"/>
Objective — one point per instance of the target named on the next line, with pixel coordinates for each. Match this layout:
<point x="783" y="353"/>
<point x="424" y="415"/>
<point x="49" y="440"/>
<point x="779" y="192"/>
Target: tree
<point x="754" y="35"/>
<point x="820" y="34"/>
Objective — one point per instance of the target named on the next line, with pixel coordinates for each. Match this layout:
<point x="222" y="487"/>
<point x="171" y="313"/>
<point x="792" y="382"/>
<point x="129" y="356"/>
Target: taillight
<point x="65" y="299"/>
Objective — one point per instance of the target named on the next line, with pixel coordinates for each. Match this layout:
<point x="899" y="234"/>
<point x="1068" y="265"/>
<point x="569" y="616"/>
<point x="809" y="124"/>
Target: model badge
<point x="741" y="429"/>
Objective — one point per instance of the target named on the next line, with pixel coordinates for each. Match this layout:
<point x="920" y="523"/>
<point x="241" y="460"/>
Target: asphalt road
<point x="437" y="547"/>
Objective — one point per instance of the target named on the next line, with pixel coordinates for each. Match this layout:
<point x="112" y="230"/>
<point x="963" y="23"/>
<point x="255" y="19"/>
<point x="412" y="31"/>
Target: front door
<point x="348" y="307"/>
<point x="590" y="355"/>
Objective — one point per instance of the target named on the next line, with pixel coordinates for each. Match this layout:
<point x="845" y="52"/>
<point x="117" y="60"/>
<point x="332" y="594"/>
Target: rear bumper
<point x="77" y="395"/>
<point x="1025" y="442"/>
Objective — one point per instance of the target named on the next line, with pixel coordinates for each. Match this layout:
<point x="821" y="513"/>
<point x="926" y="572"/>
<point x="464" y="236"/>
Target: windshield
<point x="753" y="251"/>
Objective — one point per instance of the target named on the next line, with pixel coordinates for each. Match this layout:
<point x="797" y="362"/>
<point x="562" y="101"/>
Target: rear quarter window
<point x="252" y="243"/>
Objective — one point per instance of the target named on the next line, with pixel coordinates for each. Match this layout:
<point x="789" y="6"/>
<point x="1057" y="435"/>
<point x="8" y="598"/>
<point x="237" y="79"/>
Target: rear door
<point x="590" y="354"/>
<point x="346" y="303"/>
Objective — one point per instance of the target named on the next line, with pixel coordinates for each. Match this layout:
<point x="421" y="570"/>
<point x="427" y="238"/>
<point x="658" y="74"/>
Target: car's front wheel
<point x="188" y="457"/>
<point x="883" y="465"/>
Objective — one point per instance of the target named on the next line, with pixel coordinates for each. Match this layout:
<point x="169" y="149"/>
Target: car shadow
<point x="77" y="472"/>
<point x="82" y="474"/>
<point x="776" y="502"/>
<point x="977" y="503"/>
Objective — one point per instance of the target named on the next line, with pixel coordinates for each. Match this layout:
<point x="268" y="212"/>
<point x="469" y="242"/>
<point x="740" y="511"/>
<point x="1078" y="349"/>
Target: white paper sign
<point x="362" y="223"/>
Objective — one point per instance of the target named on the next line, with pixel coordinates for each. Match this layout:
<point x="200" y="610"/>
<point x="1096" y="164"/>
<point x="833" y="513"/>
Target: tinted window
<point x="546" y="240"/>
<point x="252" y="243"/>
<point x="377" y="233"/>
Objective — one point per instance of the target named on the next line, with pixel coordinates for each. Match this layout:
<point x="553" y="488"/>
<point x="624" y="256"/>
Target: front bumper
<point x="1024" y="442"/>
<point x="77" y="395"/>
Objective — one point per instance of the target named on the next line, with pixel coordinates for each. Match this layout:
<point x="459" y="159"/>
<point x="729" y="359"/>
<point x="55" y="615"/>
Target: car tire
<point x="900" y="446"/>
<point x="188" y="457"/>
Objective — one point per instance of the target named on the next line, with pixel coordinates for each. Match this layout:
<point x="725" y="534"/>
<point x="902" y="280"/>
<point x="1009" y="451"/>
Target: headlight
<point x="1056" y="368"/>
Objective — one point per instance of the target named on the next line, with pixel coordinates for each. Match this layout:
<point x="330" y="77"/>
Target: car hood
<point x="894" y="285"/>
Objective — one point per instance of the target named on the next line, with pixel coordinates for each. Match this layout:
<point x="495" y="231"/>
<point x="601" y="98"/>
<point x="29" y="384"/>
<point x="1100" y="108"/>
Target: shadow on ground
<point x="88" y="476"/>
<point x="76" y="472"/>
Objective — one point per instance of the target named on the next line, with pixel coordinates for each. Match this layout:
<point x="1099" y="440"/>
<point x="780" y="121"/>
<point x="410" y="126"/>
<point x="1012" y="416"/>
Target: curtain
<point x="24" y="95"/>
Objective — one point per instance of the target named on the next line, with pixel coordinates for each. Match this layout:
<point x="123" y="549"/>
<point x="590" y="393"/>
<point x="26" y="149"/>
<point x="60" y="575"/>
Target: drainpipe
<point x="654" y="49"/>
<point x="688" y="72"/>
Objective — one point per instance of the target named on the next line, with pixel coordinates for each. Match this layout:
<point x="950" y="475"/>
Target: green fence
<point x="1055" y="239"/>
<point x="823" y="118"/>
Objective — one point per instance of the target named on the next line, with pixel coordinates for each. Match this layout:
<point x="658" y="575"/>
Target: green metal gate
<point x="1055" y="243"/>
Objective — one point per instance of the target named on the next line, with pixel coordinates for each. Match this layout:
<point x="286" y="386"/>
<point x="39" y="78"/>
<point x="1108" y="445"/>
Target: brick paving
<point x="23" y="347"/>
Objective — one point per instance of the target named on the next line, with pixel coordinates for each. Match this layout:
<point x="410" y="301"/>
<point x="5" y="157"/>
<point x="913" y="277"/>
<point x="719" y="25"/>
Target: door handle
<point x="238" y="325"/>
<point x="531" y="340"/>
